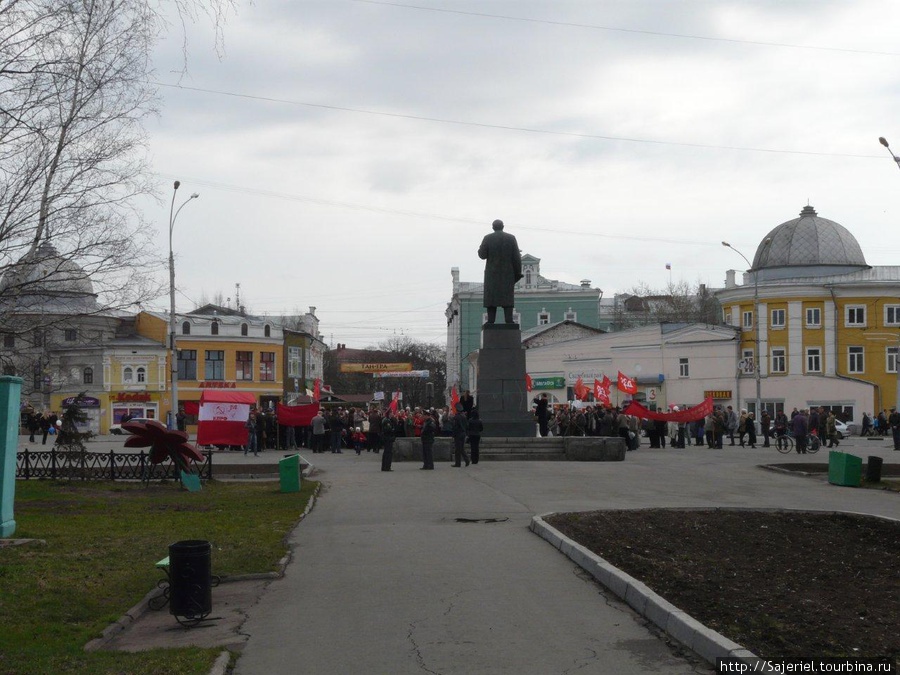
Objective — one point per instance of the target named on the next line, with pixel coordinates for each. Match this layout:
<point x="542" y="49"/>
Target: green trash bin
<point x="289" y="473"/>
<point x="844" y="469"/>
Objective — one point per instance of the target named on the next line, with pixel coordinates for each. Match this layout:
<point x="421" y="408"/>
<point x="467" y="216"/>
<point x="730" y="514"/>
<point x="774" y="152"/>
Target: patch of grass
<point x="103" y="539"/>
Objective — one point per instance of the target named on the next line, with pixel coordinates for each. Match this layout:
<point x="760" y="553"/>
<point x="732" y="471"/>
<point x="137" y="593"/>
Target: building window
<point x="855" y="315"/>
<point x="528" y="277"/>
<point x="813" y="317"/>
<point x="186" y="328"/>
<point x="571" y="316"/>
<point x="777" y="318"/>
<point x="294" y="361"/>
<point x="70" y="335"/>
<point x="214" y="368"/>
<point x="748" y="361"/>
<point x="543" y="318"/>
<point x="87" y="376"/>
<point x="141" y="374"/>
<point x="856" y="362"/>
<point x="684" y="368"/>
<point x="127" y="375"/>
<point x="891" y="360"/>
<point x="267" y="366"/>
<point x="267" y="331"/>
<point x="779" y="364"/>
<point x="214" y="328"/>
<point x="813" y="360"/>
<point x="727" y="318"/>
<point x="892" y="315"/>
<point x="244" y="366"/>
<point x="9" y="341"/>
<point x="245" y="329"/>
<point x="748" y="320"/>
<point x="187" y="364"/>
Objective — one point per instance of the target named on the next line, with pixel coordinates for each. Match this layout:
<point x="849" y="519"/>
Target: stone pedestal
<point x="502" y="398"/>
<point x="10" y="390"/>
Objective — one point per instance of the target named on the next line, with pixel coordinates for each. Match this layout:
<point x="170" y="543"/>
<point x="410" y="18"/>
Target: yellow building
<point x="220" y="348"/>
<point x="828" y="323"/>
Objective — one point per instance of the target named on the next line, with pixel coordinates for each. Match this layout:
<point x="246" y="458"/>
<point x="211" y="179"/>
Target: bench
<point x="159" y="601"/>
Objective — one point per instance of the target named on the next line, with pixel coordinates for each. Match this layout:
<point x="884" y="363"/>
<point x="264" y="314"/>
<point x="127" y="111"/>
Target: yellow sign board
<point x="717" y="393"/>
<point x="376" y="367"/>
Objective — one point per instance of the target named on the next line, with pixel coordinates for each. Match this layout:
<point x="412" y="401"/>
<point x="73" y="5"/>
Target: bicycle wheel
<point x="784" y="444"/>
<point x="813" y="443"/>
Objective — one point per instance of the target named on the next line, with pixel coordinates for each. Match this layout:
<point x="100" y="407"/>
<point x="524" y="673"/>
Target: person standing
<point x="476" y="427"/>
<point x="894" y="423"/>
<point x="252" y="438"/>
<point x="335" y="427"/>
<point x="374" y="432"/>
<point x="460" y="429"/>
<point x="799" y="429"/>
<point x="731" y="423"/>
<point x="429" y="429"/>
<point x="831" y="430"/>
<point x="318" y="433"/>
<point x="542" y="413"/>
<point x="468" y="402"/>
<point x="388" y="434"/>
<point x="765" y="423"/>
<point x="750" y="428"/>
<point x="33" y="423"/>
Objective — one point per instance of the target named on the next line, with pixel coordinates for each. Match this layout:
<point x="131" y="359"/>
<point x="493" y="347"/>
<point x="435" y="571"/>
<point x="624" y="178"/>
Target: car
<point x="117" y="428"/>
<point x="842" y="429"/>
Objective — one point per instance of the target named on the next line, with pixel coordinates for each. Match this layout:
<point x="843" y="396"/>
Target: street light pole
<point x="883" y="141"/>
<point x="756" y="319"/>
<point x="173" y="352"/>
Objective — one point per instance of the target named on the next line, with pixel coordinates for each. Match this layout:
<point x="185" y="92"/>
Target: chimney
<point x="454" y="272"/>
<point x="585" y="283"/>
<point x="729" y="279"/>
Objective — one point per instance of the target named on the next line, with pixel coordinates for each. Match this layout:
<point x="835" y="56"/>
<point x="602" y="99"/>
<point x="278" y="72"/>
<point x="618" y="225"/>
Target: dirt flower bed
<point x="781" y="584"/>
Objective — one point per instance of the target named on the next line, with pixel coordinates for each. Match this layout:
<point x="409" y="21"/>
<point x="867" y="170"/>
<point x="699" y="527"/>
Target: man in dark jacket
<point x="388" y="434"/>
<point x="460" y="429"/>
<point x="501" y="271"/>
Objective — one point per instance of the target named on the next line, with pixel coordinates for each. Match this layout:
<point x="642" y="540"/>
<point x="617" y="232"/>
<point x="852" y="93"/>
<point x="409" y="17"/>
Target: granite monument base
<point x="502" y="397"/>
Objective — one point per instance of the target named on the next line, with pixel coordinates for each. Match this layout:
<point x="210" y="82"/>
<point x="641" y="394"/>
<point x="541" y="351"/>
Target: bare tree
<point x="677" y="303"/>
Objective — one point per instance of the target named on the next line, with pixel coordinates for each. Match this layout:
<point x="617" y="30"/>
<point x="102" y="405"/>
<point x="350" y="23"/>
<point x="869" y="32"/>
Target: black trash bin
<point x="873" y="469"/>
<point x="190" y="580"/>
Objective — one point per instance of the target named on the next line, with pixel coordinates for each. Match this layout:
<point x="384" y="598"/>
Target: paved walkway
<point x="387" y="579"/>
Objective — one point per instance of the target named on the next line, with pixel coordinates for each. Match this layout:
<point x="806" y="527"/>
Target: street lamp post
<point x="173" y="356"/>
<point x="883" y="141"/>
<point x="756" y="319"/>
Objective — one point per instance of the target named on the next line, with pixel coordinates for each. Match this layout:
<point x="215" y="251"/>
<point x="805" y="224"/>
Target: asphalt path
<point x="436" y="572"/>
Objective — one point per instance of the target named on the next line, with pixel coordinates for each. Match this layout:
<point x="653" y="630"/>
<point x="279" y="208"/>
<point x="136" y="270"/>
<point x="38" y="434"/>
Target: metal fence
<point x="84" y="465"/>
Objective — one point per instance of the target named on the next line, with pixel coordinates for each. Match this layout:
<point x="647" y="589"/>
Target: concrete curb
<point x="220" y="667"/>
<point x="705" y="642"/>
<point x="135" y="613"/>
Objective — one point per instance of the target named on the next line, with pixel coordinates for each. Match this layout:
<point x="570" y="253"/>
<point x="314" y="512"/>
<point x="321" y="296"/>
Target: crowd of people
<point x="46" y="423"/>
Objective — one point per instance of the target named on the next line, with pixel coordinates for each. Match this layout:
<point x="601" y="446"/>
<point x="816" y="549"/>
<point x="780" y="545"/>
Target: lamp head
<point x="883" y="141"/>
<point x="177" y="184"/>
<point x="725" y="243"/>
<point x="195" y="195"/>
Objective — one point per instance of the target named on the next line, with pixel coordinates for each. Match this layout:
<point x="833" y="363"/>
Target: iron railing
<point x="111" y="465"/>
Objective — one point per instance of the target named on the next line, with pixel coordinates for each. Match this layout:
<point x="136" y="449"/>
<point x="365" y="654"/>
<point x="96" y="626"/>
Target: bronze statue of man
<point x="501" y="271"/>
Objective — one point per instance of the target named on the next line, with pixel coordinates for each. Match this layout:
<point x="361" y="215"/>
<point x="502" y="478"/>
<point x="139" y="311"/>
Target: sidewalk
<point x="414" y="571"/>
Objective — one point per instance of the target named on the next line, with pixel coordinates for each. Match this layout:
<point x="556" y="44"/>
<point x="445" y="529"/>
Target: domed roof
<point x="45" y="277"/>
<point x="809" y="241"/>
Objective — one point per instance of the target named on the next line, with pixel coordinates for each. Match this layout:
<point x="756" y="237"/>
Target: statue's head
<point x="497" y="225"/>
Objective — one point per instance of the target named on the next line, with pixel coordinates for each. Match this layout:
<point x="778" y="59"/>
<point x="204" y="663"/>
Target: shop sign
<point x="86" y="402"/>
<point x="548" y="383"/>
<point x="131" y="397"/>
<point x="217" y="385"/>
<point x="376" y="367"/>
<point x="717" y="393"/>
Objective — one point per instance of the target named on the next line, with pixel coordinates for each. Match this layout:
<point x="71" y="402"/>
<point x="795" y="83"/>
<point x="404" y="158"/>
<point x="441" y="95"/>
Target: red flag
<point x="395" y="401"/>
<point x="529" y="384"/>
<point x="317" y="389"/>
<point x="626" y="384"/>
<point x="601" y="390"/>
<point x="581" y="391"/>
<point x="454" y="399"/>
<point x="296" y="415"/>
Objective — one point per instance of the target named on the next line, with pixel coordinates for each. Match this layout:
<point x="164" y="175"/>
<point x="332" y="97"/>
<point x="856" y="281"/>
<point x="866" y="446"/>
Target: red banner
<point x="296" y="415"/>
<point x="454" y="399"/>
<point x="581" y="390"/>
<point x="601" y="390"/>
<point x="698" y="412"/>
<point x="626" y="384"/>
<point x="529" y="385"/>
<point x="317" y="390"/>
<point x="395" y="400"/>
<point x="223" y="417"/>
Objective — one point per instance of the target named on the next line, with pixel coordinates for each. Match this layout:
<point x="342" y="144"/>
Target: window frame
<point x="684" y="366"/>
<point x="813" y="353"/>
<point x="182" y="370"/>
<point x="778" y="357"/>
<point x="70" y="335"/>
<point x="890" y="354"/>
<point x="818" y="314"/>
<point x="751" y="355"/>
<point x="892" y="309"/>
<point x="214" y="365"/>
<point x="776" y="324"/>
<point x="87" y="375"/>
<point x="243" y="368"/>
<point x="185" y="327"/>
<point x="747" y="319"/>
<point x="543" y="318"/>
<point x="856" y="359"/>
<point x="267" y="372"/>
<point x="128" y="375"/>
<point x="854" y="310"/>
<point x="140" y="375"/>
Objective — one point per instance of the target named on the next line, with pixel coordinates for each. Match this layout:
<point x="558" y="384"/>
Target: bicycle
<point x="785" y="443"/>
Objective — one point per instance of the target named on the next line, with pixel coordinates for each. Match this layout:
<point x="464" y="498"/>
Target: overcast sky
<point x="349" y="153"/>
